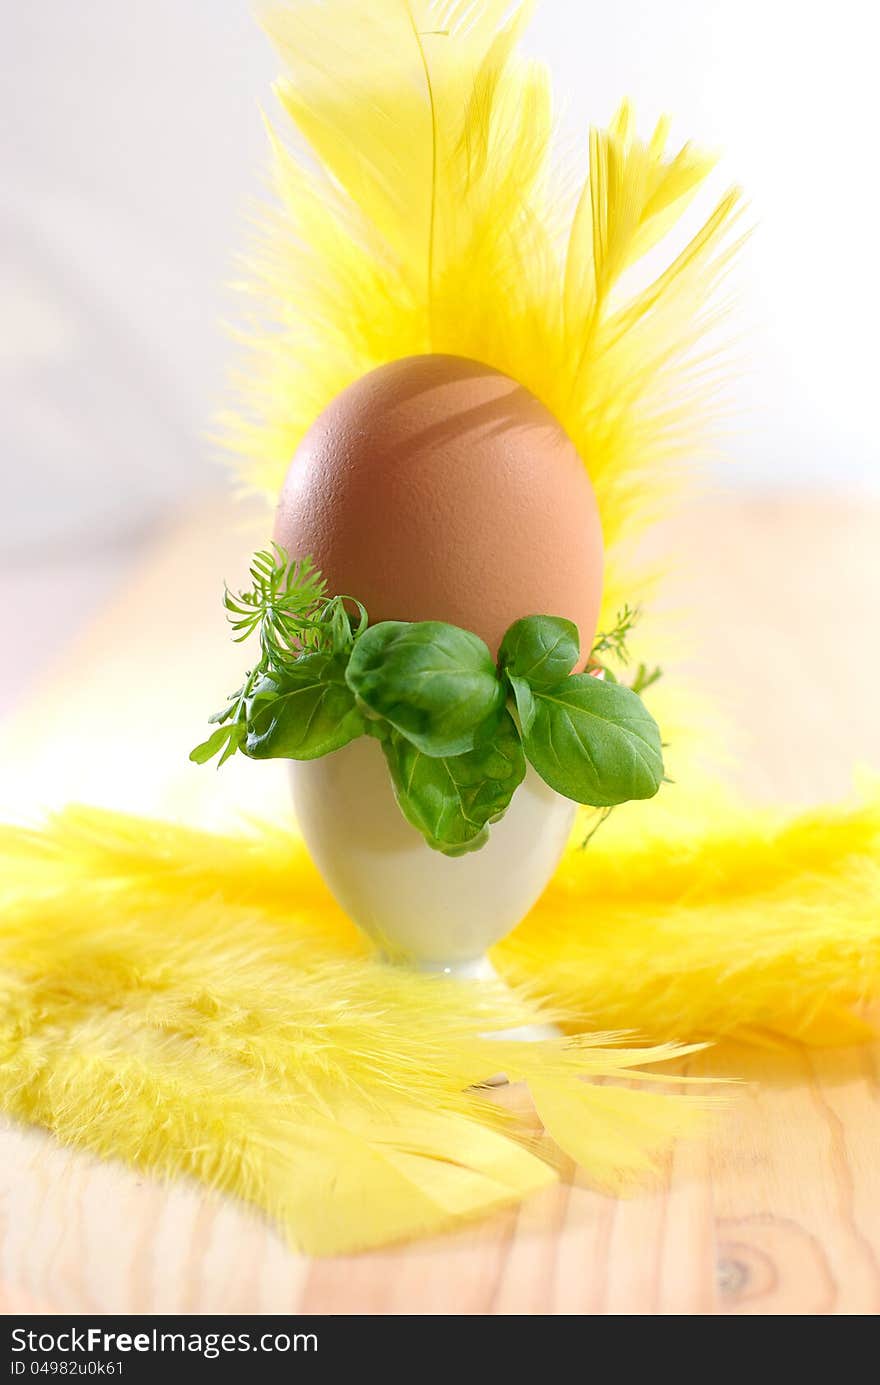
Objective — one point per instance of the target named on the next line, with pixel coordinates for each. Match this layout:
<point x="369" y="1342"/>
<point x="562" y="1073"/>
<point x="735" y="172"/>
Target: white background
<point x="131" y="141"/>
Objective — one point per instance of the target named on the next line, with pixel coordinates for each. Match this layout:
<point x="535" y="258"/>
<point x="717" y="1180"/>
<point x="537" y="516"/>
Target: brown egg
<point x="436" y="488"/>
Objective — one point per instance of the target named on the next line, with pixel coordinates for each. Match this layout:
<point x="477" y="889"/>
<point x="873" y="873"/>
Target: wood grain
<point x="777" y="1212"/>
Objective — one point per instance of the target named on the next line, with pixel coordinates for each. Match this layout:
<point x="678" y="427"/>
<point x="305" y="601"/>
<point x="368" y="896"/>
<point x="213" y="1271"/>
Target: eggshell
<point x="436" y="488"/>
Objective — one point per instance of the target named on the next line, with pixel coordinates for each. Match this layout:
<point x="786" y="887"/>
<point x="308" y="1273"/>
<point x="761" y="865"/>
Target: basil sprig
<point x="592" y="741"/>
<point x="434" y="683"/>
<point x="306" y="711"/>
<point x="452" y="799"/>
<point x="455" y="727"/>
<point x="540" y="650"/>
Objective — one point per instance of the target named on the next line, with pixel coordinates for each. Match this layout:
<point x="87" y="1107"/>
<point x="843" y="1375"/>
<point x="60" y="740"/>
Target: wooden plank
<point x="777" y="1212"/>
<point x="797" y="1189"/>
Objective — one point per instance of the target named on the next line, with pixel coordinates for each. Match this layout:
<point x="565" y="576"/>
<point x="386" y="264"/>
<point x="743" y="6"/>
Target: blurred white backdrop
<point x="132" y="140"/>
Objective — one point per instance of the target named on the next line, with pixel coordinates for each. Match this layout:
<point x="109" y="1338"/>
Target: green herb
<point x="593" y="741"/>
<point x="281" y="605"/>
<point x="452" y="799"/>
<point x="304" y="712"/>
<point x="434" y="683"/>
<point x="432" y="695"/>
<point x="524" y="698"/>
<point x="614" y="641"/>
<point x="645" y="678"/>
<point x="540" y="649"/>
<point x="601" y="815"/>
<point x="288" y="609"/>
<point x="227" y="738"/>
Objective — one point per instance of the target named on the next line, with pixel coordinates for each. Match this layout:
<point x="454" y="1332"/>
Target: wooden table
<point x="777" y="1212"/>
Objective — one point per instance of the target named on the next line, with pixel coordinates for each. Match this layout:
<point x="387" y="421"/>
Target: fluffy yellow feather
<point x="196" y="1005"/>
<point x="422" y="207"/>
<point x="706" y="917"/>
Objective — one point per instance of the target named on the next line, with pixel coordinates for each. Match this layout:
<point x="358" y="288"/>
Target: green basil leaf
<point x="303" y="712"/>
<point x="377" y="728"/>
<point x="540" y="649"/>
<point x="452" y="799"/>
<point x="594" y="742"/>
<point x="525" y="702"/>
<point x="433" y="682"/>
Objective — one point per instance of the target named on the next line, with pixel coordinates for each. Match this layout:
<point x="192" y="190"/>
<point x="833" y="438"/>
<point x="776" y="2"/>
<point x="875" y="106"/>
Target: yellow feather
<point x="590" y="1123"/>
<point x="197" y="1004"/>
<point x="421" y="208"/>
<point x="705" y="917"/>
<point x="165" y="1001"/>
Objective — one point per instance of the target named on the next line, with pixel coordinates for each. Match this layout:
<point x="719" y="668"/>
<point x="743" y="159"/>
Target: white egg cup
<point x="433" y="912"/>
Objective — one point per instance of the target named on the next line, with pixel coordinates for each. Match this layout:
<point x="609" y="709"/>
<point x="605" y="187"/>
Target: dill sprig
<point x="287" y="607"/>
<point x="614" y="641"/>
<point x="283" y="605"/>
<point x="645" y="677"/>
